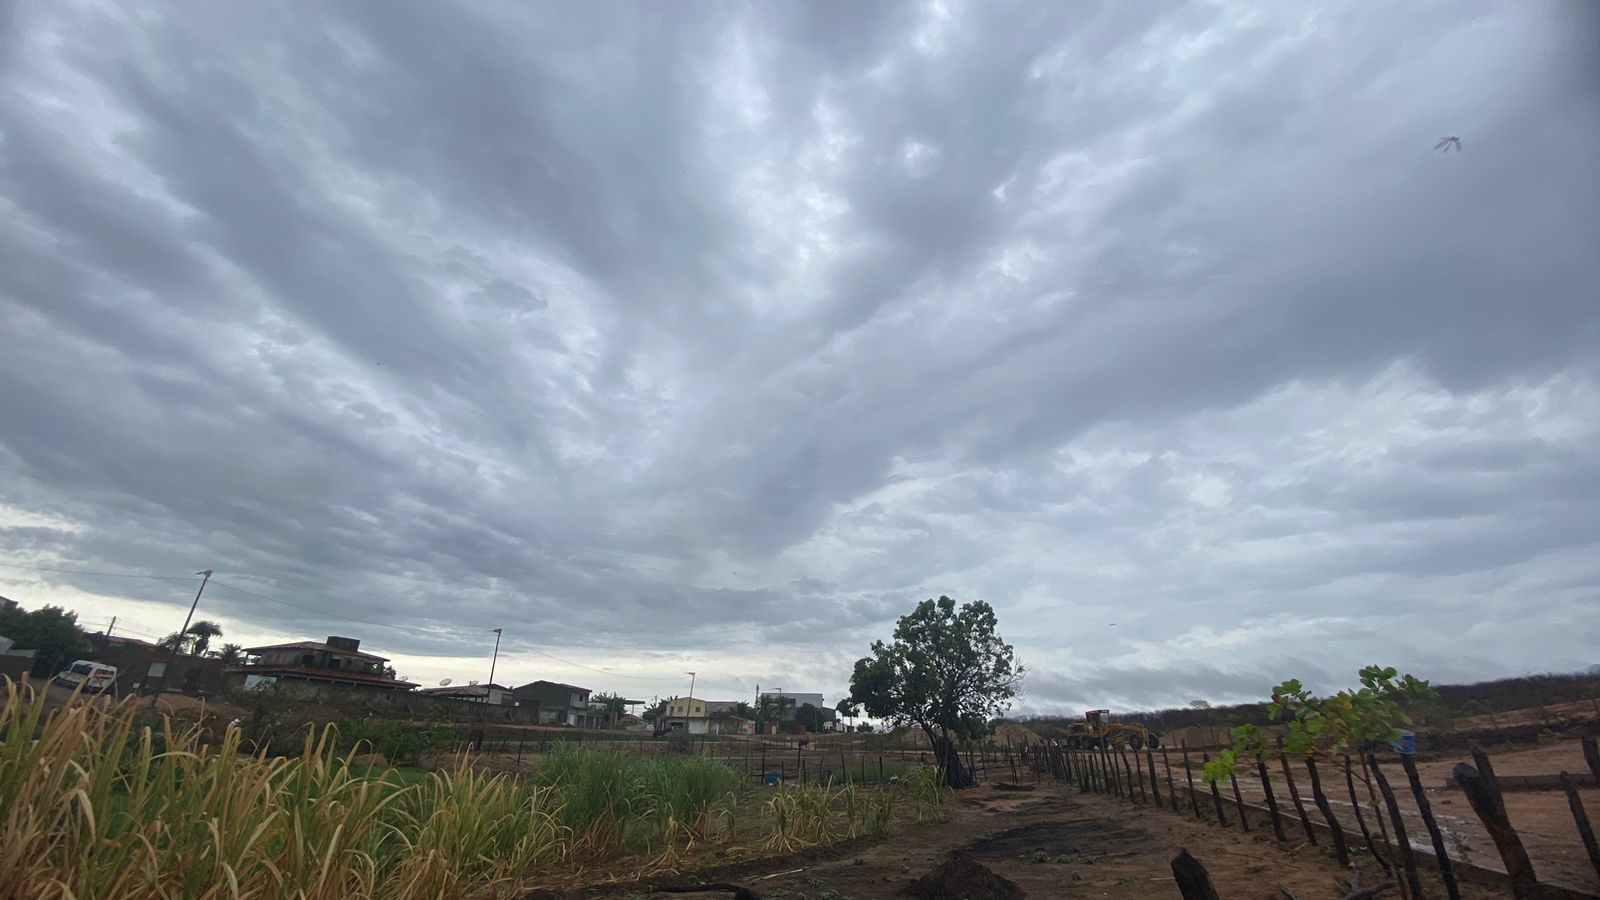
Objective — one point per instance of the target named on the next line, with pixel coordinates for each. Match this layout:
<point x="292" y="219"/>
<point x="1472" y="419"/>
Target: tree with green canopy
<point x="946" y="671"/>
<point x="658" y="710"/>
<point x="50" y="631"/>
<point x="809" y="716"/>
<point x="846" y="710"/>
<point x="200" y="635"/>
<point x="615" y="706"/>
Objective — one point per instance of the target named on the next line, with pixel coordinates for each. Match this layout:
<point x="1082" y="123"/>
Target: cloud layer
<point x="714" y="341"/>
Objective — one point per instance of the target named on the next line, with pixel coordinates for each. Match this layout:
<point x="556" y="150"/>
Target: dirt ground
<point x="1542" y="818"/>
<point x="1049" y="840"/>
<point x="1554" y="714"/>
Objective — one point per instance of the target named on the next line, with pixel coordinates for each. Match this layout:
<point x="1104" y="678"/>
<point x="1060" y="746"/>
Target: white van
<point x="94" y="676"/>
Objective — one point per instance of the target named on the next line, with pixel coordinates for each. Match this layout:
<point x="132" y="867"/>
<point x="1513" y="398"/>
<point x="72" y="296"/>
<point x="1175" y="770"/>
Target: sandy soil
<point x="1050" y="840"/>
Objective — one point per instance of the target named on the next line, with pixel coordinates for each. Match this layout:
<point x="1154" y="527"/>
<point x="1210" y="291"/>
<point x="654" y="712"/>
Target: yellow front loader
<point x="1098" y="729"/>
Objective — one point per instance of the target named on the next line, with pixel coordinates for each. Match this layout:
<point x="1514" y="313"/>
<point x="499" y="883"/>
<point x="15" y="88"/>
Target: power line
<point x="98" y="574"/>
<point x="515" y="642"/>
<point x="325" y="613"/>
<point x="512" y="641"/>
<point x="422" y="632"/>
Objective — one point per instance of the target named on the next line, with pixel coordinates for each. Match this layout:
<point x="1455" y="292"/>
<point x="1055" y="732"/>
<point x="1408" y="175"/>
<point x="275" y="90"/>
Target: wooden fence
<point x="1146" y="778"/>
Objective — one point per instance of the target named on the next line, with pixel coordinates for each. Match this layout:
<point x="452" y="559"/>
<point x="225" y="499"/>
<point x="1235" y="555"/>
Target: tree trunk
<point x="956" y="775"/>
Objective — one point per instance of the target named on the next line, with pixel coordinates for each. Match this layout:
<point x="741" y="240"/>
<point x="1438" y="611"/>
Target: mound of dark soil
<point x="962" y="878"/>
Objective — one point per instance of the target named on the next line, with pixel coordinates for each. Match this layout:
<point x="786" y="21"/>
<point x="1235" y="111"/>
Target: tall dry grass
<point x="97" y="806"/>
<point x="94" y="804"/>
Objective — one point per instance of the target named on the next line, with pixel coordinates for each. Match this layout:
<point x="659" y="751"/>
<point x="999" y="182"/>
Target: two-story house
<point x="685" y="714"/>
<point x="559" y="704"/>
<point x="695" y="716"/>
<point x="337" y="660"/>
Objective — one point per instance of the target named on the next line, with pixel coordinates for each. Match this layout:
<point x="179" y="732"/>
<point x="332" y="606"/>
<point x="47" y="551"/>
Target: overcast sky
<point x="713" y="337"/>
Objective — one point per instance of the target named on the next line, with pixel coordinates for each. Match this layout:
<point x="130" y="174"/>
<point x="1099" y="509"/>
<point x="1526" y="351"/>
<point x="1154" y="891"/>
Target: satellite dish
<point x="473" y="682"/>
<point x="405" y="677"/>
<point x="444" y="682"/>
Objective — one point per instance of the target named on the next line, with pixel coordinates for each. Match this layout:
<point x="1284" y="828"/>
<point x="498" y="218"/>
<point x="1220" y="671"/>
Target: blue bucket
<point x="1405" y="744"/>
<point x="773" y="779"/>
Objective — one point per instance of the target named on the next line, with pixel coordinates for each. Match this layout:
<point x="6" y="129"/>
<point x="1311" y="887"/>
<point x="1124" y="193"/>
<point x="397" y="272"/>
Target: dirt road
<point x="1050" y="840"/>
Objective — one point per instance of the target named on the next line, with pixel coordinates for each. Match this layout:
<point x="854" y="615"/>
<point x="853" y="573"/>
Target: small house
<point x="559" y="704"/>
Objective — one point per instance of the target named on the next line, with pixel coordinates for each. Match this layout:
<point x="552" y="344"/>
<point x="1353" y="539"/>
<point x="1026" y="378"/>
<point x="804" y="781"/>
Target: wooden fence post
<point x="1122" y="754"/>
<point x="1111" y="769"/>
<point x="1172" y="791"/>
<point x="1194" y="883"/>
<point x="1591" y="754"/>
<point x="1294" y="795"/>
<point x="1188" y="773"/>
<point x="1339" y="849"/>
<point x="1155" y="789"/>
<point x="1408" y="857"/>
<point x="1361" y="820"/>
<point x="1585" y="831"/>
<point x="1238" y="799"/>
<point x="1272" y="801"/>
<point x="1483" y="792"/>
<point x="1216" y="795"/>
<point x="1446" y="872"/>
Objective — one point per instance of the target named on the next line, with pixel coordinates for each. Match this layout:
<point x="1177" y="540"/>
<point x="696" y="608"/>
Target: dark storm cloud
<point x="747" y="328"/>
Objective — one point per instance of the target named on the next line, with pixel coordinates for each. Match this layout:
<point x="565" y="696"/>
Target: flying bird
<point x="1445" y="143"/>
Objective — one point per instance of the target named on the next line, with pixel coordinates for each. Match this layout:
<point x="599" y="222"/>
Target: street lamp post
<point x="492" y="663"/>
<point x="691" y="683"/>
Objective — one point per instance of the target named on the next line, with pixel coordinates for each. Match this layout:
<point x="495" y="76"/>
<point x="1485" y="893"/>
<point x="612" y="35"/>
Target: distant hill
<point x="1455" y="701"/>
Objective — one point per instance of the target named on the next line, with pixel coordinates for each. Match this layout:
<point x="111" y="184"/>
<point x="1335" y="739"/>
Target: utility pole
<point x="492" y="663"/>
<point x="112" y="627"/>
<point x="691" y="683"/>
<point x="172" y="654"/>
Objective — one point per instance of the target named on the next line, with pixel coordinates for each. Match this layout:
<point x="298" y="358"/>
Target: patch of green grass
<point x="399" y="776"/>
